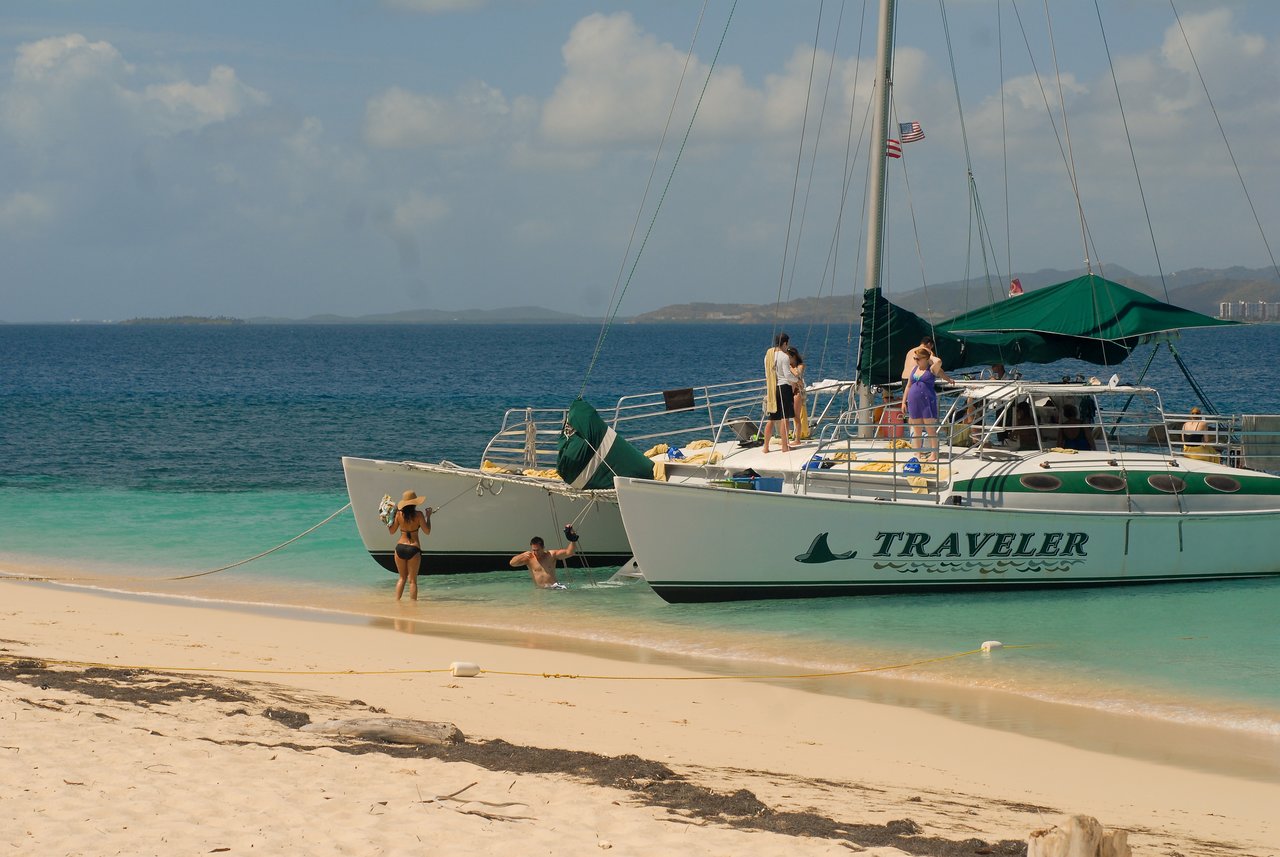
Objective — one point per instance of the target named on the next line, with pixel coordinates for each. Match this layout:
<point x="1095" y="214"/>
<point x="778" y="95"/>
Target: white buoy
<point x="464" y="669"/>
<point x="991" y="645"/>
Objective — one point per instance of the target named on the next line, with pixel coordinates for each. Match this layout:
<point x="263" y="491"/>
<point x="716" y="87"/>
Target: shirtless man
<point x="935" y="362"/>
<point x="542" y="562"/>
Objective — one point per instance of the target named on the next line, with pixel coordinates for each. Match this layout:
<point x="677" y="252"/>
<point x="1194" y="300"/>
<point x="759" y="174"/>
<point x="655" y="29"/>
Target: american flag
<point x="892" y="148"/>
<point x="910" y="131"/>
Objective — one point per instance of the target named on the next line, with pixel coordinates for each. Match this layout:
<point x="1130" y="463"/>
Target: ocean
<point x="132" y="454"/>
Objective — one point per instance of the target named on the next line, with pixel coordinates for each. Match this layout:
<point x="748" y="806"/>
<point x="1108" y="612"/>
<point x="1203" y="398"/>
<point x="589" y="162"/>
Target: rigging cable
<point x="813" y="160"/>
<point x="1133" y="157"/>
<point x="795" y="181"/>
<point x="653" y="169"/>
<point x="1225" y="141"/>
<point x="613" y="312"/>
<point x="1066" y="131"/>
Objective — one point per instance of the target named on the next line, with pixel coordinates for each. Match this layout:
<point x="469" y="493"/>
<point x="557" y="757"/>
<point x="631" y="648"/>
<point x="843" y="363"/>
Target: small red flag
<point x="892" y="148"/>
<point x="1015" y="287"/>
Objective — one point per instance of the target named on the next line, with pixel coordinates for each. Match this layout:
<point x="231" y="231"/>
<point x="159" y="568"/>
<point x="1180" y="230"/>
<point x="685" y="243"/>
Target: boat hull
<point x="484" y="519"/>
<point x="713" y="544"/>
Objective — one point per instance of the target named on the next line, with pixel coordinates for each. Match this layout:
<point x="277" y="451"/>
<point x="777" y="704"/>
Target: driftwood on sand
<point x="1078" y="836"/>
<point x="390" y="730"/>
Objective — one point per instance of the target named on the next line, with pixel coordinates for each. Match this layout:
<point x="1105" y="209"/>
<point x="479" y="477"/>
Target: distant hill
<point x="1199" y="289"/>
<point x="507" y="315"/>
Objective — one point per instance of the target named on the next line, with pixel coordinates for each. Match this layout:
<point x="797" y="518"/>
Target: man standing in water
<point x="542" y="562"/>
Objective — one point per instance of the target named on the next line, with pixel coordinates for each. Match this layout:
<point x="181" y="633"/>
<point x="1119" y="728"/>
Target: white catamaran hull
<point x="713" y="544"/>
<point x="484" y="519"/>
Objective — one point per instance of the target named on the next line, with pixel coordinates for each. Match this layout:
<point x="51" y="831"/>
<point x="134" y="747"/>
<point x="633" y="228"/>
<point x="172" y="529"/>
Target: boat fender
<point x="464" y="669"/>
<point x="988" y="647"/>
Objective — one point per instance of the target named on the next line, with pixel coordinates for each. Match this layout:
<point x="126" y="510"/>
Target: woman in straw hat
<point x="412" y="524"/>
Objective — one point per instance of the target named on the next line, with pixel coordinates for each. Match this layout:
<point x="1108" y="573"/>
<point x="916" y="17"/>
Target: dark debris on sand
<point x="652" y="783"/>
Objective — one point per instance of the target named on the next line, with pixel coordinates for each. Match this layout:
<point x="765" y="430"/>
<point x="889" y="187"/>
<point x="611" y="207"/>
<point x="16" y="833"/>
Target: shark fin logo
<point x="819" y="551"/>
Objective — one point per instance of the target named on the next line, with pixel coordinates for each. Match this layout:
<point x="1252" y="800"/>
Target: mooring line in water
<point x="39" y="663"/>
<point x="46" y="579"/>
<point x="264" y="553"/>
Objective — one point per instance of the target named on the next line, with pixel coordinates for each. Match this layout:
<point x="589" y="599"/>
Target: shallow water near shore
<point x="120" y="439"/>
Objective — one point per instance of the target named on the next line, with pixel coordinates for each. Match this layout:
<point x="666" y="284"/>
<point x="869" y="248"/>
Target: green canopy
<point x="1089" y="318"/>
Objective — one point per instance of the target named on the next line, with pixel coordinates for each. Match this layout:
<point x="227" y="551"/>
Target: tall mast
<point x="876" y="194"/>
<point x="879" y="134"/>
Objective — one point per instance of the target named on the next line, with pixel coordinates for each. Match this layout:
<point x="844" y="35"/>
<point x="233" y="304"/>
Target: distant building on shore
<point x="1249" y="310"/>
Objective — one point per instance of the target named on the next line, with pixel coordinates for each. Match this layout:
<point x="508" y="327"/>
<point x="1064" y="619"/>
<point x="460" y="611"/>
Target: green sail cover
<point x="591" y="454"/>
<point x="1090" y="318"/>
<point x="889" y="331"/>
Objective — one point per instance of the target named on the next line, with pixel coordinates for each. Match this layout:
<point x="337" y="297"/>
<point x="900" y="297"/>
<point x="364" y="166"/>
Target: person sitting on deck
<point x="1072" y="435"/>
<point x="1194" y="439"/>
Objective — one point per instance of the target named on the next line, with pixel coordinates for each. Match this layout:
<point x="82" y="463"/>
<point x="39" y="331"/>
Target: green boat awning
<point x="1086" y="308"/>
<point x="1089" y="318"/>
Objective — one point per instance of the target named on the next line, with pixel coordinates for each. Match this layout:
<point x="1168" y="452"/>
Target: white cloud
<point x="619" y="82"/>
<point x="24" y="210"/>
<point x="182" y="105"/>
<point x="399" y="119"/>
<point x="68" y="88"/>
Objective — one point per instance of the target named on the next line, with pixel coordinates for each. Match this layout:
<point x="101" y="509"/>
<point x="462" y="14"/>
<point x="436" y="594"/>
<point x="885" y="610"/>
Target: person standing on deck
<point x="920" y="400"/>
<point x="779" y="400"/>
<point x="798" y="394"/>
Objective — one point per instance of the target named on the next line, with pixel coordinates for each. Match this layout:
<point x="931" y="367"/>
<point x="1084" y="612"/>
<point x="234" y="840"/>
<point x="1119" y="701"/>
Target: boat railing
<point x="843" y="460"/>
<point x="673" y="415"/>
<point x="529" y="437"/>
<point x="1238" y="440"/>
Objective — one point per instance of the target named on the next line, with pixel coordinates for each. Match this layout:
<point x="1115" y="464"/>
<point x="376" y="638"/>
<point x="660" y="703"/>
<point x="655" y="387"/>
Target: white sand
<point x="92" y="776"/>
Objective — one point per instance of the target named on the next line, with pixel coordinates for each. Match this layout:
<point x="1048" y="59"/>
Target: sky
<point x="293" y="157"/>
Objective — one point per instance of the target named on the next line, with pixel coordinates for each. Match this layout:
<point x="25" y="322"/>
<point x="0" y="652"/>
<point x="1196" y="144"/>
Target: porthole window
<point x="1105" y="481"/>
<point x="1225" y="484"/>
<point x="1166" y="483"/>
<point x="1041" y="482"/>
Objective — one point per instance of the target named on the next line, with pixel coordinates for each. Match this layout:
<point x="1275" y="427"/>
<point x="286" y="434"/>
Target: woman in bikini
<point x="412" y="524"/>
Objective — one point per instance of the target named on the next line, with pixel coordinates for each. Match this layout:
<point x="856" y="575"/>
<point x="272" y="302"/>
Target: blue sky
<point x="360" y="156"/>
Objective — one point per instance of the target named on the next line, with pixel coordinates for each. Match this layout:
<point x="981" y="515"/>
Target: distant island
<point x="1246" y="294"/>
<point x="1239" y="293"/>
<point x="186" y="319"/>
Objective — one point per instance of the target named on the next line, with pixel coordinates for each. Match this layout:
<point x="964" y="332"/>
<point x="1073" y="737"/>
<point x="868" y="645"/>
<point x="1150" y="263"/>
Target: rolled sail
<point x="591" y="453"/>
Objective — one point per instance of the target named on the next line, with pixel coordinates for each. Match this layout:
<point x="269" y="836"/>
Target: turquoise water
<point x="138" y="454"/>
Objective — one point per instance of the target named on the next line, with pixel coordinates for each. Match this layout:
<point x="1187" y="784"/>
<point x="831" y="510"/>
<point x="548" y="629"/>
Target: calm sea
<point x="116" y="439"/>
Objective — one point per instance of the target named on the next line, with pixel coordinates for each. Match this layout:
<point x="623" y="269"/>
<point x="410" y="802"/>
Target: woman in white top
<point x="779" y="399"/>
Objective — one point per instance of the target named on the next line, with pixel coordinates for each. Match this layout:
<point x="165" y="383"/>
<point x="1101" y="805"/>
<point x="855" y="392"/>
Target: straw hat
<point x="410" y="499"/>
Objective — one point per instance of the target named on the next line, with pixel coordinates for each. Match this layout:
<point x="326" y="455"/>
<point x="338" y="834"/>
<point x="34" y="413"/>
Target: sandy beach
<point x="188" y="740"/>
